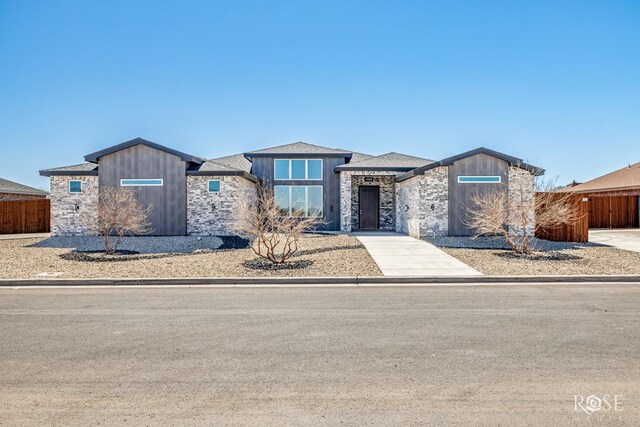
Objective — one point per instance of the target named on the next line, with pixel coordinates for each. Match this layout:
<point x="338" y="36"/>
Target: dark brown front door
<point x="369" y="199"/>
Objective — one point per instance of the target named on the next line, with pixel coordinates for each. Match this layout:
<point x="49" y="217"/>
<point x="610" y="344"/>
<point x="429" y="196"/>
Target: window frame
<point x="209" y="181"/>
<point x="479" y="179"/>
<point x="306" y="169"/>
<point x="161" y="184"/>
<point x="69" y="186"/>
<point x="306" y="199"/>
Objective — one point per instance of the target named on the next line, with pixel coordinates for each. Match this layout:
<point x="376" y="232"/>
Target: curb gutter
<point x="353" y="280"/>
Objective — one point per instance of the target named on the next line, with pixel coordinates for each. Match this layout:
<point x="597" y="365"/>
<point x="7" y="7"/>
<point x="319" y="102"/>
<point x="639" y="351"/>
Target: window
<point x="300" y="169"/>
<point x="156" y="182"/>
<point x="299" y="200"/>
<point x="479" y="179"/>
<point x="214" y="186"/>
<point x="75" y="186"/>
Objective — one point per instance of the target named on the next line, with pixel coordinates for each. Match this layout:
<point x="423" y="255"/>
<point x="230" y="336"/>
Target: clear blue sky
<point x="555" y="82"/>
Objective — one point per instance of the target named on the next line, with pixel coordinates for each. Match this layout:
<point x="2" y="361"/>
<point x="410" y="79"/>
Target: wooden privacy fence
<point x="24" y="216"/>
<point x="578" y="232"/>
<point x="613" y="211"/>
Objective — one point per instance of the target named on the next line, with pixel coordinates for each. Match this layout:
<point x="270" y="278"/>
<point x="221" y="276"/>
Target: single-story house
<point x="10" y="190"/>
<point x="350" y="190"/>
<point x="614" y="200"/>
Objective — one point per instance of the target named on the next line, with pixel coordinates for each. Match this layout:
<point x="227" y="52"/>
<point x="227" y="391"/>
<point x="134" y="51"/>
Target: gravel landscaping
<point x="183" y="256"/>
<point x="499" y="243"/>
<point x="581" y="259"/>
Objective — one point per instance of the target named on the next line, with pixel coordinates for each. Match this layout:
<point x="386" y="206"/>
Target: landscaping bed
<point x="147" y="257"/>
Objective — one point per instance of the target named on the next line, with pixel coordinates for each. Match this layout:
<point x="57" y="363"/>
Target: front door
<point x="369" y="199"/>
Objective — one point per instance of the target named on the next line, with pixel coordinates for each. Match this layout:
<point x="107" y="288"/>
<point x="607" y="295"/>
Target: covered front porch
<point x="367" y="200"/>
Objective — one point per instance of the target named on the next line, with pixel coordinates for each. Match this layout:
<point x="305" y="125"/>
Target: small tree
<point x="515" y="213"/>
<point x="119" y="213"/>
<point x="275" y="232"/>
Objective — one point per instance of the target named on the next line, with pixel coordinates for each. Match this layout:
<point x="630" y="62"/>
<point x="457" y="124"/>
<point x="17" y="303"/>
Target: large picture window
<point x="299" y="169"/>
<point x="299" y="200"/>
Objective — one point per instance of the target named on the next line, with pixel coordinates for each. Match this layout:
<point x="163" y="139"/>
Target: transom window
<point x="75" y="186"/>
<point x="303" y="169"/>
<point x="153" y="182"/>
<point x="299" y="200"/>
<point x="479" y="179"/>
<point x="214" y="186"/>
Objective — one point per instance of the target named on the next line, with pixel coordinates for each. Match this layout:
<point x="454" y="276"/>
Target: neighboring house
<point x="10" y="190"/>
<point x="613" y="198"/>
<point x="350" y="190"/>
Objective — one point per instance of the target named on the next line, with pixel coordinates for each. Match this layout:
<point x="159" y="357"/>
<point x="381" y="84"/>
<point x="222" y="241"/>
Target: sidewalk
<point x="400" y="255"/>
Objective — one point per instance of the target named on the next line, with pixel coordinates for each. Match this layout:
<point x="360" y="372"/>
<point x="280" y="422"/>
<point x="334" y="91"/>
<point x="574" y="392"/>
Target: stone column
<point x="345" y="201"/>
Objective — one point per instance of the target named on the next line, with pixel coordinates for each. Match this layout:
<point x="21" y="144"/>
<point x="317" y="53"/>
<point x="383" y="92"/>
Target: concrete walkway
<point x="400" y="255"/>
<point x="24" y="236"/>
<point x="628" y="238"/>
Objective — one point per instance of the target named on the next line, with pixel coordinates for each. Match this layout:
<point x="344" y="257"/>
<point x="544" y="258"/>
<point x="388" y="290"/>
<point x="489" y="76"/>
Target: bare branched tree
<point x="119" y="214"/>
<point x="275" y="231"/>
<point x="515" y="213"/>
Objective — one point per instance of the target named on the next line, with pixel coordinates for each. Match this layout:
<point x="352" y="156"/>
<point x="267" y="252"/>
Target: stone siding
<point x="217" y="213"/>
<point x="422" y="207"/>
<point x="522" y="190"/>
<point x="70" y="212"/>
<point x="349" y="198"/>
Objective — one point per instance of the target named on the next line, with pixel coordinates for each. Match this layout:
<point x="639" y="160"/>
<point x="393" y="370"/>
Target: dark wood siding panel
<point x="169" y="215"/>
<point x="25" y="216"/>
<point x="460" y="194"/>
<point x="612" y="210"/>
<point x="263" y="168"/>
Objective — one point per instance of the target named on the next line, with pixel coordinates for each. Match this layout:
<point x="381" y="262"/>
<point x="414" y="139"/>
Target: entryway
<point x="400" y="255"/>
<point x="369" y="203"/>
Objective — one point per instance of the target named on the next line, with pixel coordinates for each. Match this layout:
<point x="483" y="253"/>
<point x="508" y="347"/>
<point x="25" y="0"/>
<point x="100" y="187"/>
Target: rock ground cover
<point x="330" y="255"/>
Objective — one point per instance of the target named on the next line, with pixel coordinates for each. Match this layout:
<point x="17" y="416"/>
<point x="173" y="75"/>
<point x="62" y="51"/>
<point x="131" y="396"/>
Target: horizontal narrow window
<point x="299" y="200"/>
<point x="214" y="186"/>
<point x="75" y="186"/>
<point x="479" y="179"/>
<point x="156" y="182"/>
<point x="297" y="169"/>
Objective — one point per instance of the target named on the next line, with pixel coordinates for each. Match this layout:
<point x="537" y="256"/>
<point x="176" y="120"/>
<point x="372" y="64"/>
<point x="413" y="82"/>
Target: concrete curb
<point x="353" y="280"/>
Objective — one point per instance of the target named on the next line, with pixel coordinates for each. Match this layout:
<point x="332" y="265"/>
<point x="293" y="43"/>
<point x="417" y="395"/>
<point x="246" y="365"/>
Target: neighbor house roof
<point x="389" y="161"/>
<point x="299" y="149"/>
<point x="513" y="161"/>
<point x="12" y="187"/>
<point x="80" y="169"/>
<point x="93" y="157"/>
<point x="625" y="178"/>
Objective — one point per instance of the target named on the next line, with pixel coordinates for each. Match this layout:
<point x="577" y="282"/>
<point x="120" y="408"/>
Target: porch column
<point x="345" y="201"/>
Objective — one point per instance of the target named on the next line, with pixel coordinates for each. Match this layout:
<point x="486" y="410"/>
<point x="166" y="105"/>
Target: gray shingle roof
<point x="389" y="161"/>
<point x="79" y="169"/>
<point x="12" y="187"/>
<point x="298" y="148"/>
<point x="235" y="161"/>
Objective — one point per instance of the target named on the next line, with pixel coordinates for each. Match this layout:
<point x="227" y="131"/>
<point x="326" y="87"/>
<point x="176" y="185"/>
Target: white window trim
<point x="209" y="185"/>
<point x="306" y="170"/>
<point x="142" y="185"/>
<point x="69" y="186"/>
<point x="306" y="198"/>
<point x="480" y="181"/>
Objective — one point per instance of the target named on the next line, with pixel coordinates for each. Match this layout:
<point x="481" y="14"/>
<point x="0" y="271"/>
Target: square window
<point x="214" y="186"/>
<point x="298" y="169"/>
<point x="282" y="169"/>
<point x="314" y="169"/>
<point x="75" y="186"/>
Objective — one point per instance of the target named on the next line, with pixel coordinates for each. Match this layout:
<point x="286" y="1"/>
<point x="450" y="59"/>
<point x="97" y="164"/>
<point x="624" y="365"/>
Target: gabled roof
<point x="93" y="157"/>
<point x="625" y="178"/>
<point x="389" y="161"/>
<point x="209" y="168"/>
<point x="81" y="169"/>
<point x="12" y="187"/>
<point x="299" y="149"/>
<point x="358" y="157"/>
<point x="234" y="161"/>
<point x="513" y="161"/>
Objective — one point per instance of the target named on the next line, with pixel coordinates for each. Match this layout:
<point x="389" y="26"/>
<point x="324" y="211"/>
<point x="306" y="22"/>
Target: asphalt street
<point x="481" y="355"/>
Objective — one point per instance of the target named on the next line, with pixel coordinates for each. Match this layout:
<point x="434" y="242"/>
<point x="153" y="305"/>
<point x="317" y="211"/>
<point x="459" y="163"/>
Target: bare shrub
<point x="119" y="213"/>
<point x="274" y="232"/>
<point x="514" y="214"/>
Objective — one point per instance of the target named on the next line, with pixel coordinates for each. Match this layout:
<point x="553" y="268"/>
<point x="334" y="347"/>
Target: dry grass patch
<point x="329" y="255"/>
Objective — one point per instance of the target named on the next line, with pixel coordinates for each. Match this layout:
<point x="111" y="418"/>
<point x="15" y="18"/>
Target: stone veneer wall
<point x="65" y="219"/>
<point x="416" y="197"/>
<point x="349" y="182"/>
<point x="216" y="213"/>
<point x="522" y="190"/>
